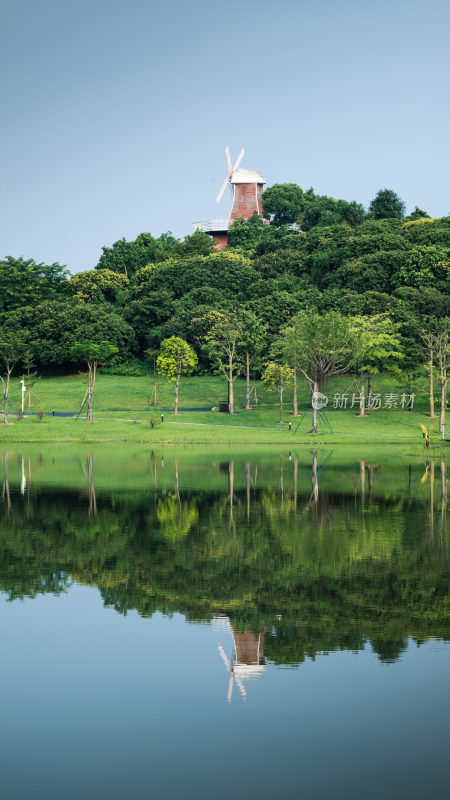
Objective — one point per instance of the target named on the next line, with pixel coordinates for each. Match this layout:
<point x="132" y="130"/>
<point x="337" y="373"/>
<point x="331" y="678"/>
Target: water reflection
<point x="301" y="554"/>
<point x="247" y="659"/>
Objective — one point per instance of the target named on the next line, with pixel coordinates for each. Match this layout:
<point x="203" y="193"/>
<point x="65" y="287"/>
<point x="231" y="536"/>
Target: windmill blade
<point x="230" y="687"/>
<point x="228" y="160"/>
<point x="224" y="657"/>
<point x="240" y="686"/>
<point x="239" y="159"/>
<point x="222" y="191"/>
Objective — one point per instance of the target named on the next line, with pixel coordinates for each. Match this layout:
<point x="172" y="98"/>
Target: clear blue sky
<point x="115" y="113"/>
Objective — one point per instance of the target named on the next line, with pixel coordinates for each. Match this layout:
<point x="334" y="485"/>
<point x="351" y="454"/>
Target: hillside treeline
<point x="316" y="253"/>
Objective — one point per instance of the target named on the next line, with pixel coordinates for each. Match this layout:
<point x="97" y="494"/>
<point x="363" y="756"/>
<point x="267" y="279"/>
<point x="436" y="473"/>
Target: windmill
<point x="247" y="188"/>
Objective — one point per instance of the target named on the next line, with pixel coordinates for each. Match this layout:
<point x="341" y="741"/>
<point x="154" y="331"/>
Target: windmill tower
<point x="247" y="188"/>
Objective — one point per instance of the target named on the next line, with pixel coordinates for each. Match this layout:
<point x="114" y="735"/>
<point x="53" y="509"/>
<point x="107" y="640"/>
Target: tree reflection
<point x="263" y="547"/>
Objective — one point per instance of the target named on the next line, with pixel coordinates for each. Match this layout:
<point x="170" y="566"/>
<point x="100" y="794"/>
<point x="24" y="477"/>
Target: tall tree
<point x="379" y="349"/>
<point x="442" y="352"/>
<point x="94" y="354"/>
<point x="279" y="377"/>
<point x="325" y="345"/>
<point x="97" y="285"/>
<point x="24" y="282"/>
<point x="223" y="344"/>
<point x="418" y="213"/>
<point x="176" y="358"/>
<point x="283" y="203"/>
<point x="429" y="344"/>
<point x="387" y="205"/>
<point x="251" y="344"/>
<point x="12" y="349"/>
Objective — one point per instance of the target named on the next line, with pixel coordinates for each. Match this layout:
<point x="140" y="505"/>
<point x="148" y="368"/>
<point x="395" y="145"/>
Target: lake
<point x="184" y="623"/>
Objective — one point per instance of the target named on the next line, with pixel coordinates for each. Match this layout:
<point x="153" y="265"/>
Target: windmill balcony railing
<point x="211" y="225"/>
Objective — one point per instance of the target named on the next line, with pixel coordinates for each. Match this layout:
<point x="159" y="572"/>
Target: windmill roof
<point x="247" y="176"/>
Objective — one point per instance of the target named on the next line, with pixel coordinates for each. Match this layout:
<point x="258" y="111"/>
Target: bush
<point x="134" y="367"/>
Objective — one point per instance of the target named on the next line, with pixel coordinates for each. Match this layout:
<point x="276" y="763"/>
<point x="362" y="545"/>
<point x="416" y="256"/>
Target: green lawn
<point x="134" y="393"/>
<point x="123" y="411"/>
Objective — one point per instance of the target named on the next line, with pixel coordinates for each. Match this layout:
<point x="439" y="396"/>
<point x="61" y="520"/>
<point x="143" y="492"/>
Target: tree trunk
<point x="281" y="400"/>
<point x="92" y="366"/>
<point x="247" y="383"/>
<point x="314" y="411"/>
<point x="6" y="393"/>
<point x="231" y="392"/>
<point x="431" y="385"/>
<point x="369" y="390"/>
<point x="175" y="390"/>
<point x="361" y="396"/>
<point x="90" y="406"/>
<point x="294" y="398"/>
<point x="443" y="400"/>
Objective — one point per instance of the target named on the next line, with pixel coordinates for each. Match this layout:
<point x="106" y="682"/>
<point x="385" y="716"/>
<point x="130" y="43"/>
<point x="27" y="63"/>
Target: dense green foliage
<point x="318" y="254"/>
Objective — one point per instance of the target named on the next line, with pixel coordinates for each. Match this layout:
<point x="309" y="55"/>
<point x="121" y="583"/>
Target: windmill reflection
<point x="247" y="661"/>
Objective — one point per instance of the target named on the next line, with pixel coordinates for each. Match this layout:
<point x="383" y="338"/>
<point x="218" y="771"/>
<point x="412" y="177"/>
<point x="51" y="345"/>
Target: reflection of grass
<point x="131" y="469"/>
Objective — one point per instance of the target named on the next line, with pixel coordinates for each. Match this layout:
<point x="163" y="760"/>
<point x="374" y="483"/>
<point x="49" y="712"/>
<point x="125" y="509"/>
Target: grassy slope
<point x="120" y="393"/>
<point x="127" y="398"/>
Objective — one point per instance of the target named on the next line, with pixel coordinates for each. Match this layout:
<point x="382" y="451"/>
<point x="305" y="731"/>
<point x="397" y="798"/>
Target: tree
<point x="324" y="345"/>
<point x="176" y="358"/>
<point x="283" y="203"/>
<point x="429" y="343"/>
<point x="380" y="349"/>
<point x="198" y="243"/>
<point x="418" y="213"/>
<point x="97" y="285"/>
<point x="251" y="344"/>
<point x="12" y="348"/>
<point x="32" y="375"/>
<point x="387" y="205"/>
<point x="56" y="325"/>
<point x="248" y="233"/>
<point x="24" y="282"/>
<point x="223" y="342"/>
<point x="439" y="339"/>
<point x="128" y="257"/>
<point x="94" y="353"/>
<point x="290" y="345"/>
<point x="280" y="377"/>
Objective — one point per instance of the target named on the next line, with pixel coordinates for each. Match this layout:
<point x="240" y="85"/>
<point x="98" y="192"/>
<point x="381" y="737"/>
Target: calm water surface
<point x="210" y="625"/>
